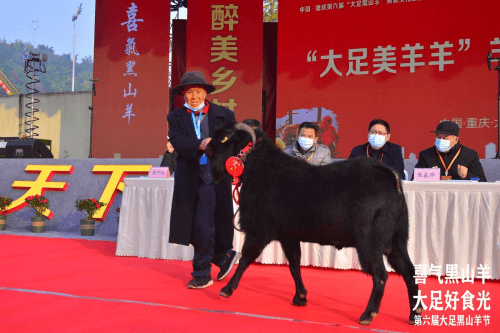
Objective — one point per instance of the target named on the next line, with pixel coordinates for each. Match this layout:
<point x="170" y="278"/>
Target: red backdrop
<point x="354" y="63"/>
<point x="179" y="30"/>
<point x="131" y="62"/>
<point x="224" y="42"/>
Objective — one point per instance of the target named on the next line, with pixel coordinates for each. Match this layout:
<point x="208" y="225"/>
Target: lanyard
<point x="308" y="158"/>
<point x="197" y="125"/>
<point x="381" y="157"/>
<point x="449" y="166"/>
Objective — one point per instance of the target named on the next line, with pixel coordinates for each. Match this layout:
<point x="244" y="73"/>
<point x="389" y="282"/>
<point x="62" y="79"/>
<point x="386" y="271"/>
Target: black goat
<point x="354" y="203"/>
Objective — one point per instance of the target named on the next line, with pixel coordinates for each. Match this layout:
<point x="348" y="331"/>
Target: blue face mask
<point x="201" y="106"/>
<point x="305" y="143"/>
<point x="376" y="140"/>
<point x="443" y="145"/>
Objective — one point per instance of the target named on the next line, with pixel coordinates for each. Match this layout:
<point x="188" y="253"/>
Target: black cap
<point x="193" y="78"/>
<point x="447" y="127"/>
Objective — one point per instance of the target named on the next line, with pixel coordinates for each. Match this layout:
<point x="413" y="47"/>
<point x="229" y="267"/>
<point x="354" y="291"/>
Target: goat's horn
<point x="245" y="127"/>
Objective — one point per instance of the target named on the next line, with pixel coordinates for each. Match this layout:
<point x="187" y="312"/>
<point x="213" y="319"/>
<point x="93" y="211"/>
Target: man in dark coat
<point x="202" y="210"/>
<point x="454" y="159"/>
<point x="380" y="148"/>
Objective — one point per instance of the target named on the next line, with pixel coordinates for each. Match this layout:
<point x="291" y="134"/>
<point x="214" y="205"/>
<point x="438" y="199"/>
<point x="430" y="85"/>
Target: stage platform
<point x="84" y="183"/>
<point x="52" y="284"/>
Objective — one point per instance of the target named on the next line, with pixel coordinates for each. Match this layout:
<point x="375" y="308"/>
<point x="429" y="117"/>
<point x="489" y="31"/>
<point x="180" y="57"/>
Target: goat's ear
<point x="242" y="135"/>
<point x="260" y="134"/>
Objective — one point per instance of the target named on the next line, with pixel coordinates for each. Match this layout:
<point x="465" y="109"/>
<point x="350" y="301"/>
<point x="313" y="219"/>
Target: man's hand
<point x="462" y="171"/>
<point x="170" y="148"/>
<point x="204" y="143"/>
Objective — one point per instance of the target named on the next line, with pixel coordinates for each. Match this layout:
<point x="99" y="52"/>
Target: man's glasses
<point x="379" y="133"/>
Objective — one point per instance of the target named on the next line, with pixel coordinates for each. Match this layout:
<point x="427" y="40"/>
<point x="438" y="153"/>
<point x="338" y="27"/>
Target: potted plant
<point x="90" y="206"/>
<point x="40" y="203"/>
<point x="4" y="203"/>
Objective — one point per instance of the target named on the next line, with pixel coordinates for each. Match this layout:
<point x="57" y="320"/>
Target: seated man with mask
<point x="307" y="147"/>
<point x="454" y="159"/>
<point x="379" y="147"/>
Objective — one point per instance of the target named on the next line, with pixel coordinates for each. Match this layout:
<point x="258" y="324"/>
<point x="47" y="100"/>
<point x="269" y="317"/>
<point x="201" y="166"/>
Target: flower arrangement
<point x="39" y="202"/>
<point x="4" y="203"/>
<point x="90" y="206"/>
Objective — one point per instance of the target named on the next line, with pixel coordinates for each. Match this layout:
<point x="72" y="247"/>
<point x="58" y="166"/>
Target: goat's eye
<point x="224" y="140"/>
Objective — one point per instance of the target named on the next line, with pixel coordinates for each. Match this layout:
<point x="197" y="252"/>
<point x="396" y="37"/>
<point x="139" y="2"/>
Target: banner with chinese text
<point x="412" y="63"/>
<point x="131" y="62"/>
<point x="224" y="42"/>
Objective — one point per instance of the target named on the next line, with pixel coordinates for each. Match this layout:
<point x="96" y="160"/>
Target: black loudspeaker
<point x="27" y="148"/>
<point x="3" y="143"/>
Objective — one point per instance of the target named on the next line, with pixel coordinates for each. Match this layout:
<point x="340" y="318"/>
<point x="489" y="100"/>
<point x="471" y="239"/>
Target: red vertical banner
<point x="412" y="63"/>
<point x="131" y="62"/>
<point x="224" y="42"/>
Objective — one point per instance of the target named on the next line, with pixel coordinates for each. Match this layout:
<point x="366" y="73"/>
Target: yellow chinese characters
<point x="40" y="185"/>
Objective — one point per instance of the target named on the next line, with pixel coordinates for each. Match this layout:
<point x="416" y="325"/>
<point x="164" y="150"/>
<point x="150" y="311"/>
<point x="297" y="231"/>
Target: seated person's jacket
<point x="169" y="160"/>
<point x="468" y="158"/>
<point x="318" y="154"/>
<point x="393" y="155"/>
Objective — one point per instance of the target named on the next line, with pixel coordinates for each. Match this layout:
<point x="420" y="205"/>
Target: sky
<point x="54" y="27"/>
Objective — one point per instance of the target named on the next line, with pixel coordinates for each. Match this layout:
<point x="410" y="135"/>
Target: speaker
<point x="3" y="143"/>
<point x="27" y="148"/>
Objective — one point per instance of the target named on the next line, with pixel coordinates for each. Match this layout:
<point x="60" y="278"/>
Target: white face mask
<point x="443" y="145"/>
<point x="305" y="143"/>
<point x="376" y="140"/>
<point x="194" y="109"/>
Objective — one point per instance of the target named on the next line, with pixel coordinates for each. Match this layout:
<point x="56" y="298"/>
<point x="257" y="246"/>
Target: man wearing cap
<point x="454" y="159"/>
<point x="202" y="210"/>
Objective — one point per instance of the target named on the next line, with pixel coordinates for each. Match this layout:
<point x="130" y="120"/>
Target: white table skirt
<point x="450" y="223"/>
<point x="144" y="221"/>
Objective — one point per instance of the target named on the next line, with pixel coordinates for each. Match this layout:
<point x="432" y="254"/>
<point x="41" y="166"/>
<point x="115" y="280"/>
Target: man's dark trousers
<point x="203" y="233"/>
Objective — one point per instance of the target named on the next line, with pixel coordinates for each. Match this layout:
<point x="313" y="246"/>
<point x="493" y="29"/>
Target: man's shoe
<point x="200" y="282"/>
<point x="228" y="265"/>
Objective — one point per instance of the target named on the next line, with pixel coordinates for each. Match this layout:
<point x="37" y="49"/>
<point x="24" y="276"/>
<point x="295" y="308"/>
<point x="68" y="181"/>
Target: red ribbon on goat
<point x="234" y="166"/>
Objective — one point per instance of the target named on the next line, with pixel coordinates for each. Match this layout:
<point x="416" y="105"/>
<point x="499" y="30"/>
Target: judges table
<point x="450" y="223"/>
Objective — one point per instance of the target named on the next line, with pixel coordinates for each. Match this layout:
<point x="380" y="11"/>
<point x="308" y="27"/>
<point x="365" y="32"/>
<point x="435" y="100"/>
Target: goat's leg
<point x="400" y="261"/>
<point x="292" y="253"/>
<point x="372" y="263"/>
<point x="252" y="248"/>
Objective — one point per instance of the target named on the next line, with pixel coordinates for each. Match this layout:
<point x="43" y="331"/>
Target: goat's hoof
<point x="226" y="292"/>
<point x="366" y="318"/>
<point x="414" y="314"/>
<point x="298" y="300"/>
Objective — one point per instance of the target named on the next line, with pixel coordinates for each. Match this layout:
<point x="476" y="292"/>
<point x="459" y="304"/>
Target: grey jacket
<point x="321" y="153"/>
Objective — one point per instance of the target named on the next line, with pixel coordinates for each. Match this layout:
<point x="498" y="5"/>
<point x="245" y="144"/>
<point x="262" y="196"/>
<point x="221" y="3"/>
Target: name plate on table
<point x="159" y="172"/>
<point x="427" y="175"/>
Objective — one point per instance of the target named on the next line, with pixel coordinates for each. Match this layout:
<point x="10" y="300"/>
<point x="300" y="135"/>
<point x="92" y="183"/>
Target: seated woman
<point x="379" y="147"/>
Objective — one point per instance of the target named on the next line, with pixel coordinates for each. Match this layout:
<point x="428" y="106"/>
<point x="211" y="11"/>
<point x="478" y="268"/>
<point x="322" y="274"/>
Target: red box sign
<point x="224" y="42"/>
<point x="131" y="62"/>
<point x="411" y="63"/>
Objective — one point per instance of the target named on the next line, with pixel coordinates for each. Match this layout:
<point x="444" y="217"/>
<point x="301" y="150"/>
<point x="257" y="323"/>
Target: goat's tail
<point x="389" y="171"/>
<point x="399" y="182"/>
<point x="234" y="218"/>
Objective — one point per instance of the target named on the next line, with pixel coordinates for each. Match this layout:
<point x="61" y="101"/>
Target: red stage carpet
<point x="72" y="285"/>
